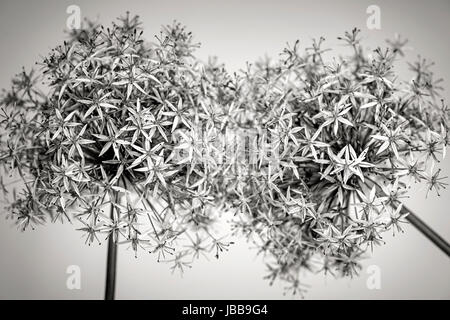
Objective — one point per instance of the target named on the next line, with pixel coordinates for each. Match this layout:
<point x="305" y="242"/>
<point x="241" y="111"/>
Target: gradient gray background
<point x="33" y="264"/>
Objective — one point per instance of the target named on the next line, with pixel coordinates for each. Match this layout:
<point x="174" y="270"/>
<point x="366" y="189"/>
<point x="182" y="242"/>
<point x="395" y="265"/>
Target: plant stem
<point x="421" y="226"/>
<point x="111" y="262"/>
<point x="427" y="231"/>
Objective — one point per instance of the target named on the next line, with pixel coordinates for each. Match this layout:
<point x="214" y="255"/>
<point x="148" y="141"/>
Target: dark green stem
<point x="111" y="262"/>
<point x="421" y="226"/>
<point x="427" y="231"/>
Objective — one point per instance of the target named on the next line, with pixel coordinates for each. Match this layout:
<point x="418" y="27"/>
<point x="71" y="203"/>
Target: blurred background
<point x="33" y="264"/>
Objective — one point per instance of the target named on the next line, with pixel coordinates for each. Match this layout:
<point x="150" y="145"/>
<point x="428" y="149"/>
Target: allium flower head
<point x="100" y="142"/>
<point x="347" y="137"/>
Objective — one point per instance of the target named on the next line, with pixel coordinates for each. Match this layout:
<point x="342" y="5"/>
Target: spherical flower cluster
<point x="337" y="145"/>
<point x="105" y="141"/>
